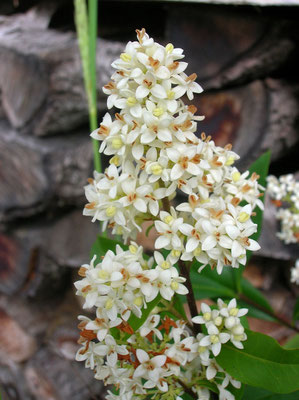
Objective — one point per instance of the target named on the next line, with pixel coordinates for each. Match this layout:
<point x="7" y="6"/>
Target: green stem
<point x="92" y="34"/>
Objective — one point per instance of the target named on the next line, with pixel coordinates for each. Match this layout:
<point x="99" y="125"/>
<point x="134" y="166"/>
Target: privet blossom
<point x="284" y="192"/>
<point x="162" y="357"/>
<point x="154" y="154"/>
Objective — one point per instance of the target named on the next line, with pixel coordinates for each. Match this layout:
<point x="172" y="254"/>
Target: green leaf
<point x="102" y="245"/>
<point x="209" y="284"/>
<point x="238" y="393"/>
<point x="292" y="343"/>
<point x="262" y="363"/>
<point x="207" y="384"/>
<point x="251" y="393"/>
<point x="296" y="311"/>
<point x="255" y="312"/>
<point x="178" y="301"/>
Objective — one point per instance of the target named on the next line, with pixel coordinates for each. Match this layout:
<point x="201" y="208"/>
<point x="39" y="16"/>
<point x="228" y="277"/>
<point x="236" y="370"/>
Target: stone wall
<point x="246" y="58"/>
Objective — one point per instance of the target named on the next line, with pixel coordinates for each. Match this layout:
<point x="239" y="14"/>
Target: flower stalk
<point x="87" y="39"/>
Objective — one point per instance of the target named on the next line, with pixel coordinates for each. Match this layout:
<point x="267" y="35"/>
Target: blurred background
<point x="246" y="56"/>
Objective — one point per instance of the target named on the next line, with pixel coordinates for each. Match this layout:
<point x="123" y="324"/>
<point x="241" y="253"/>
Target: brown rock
<point x="15" y="344"/>
<point x="228" y="46"/>
<point x="41" y="76"/>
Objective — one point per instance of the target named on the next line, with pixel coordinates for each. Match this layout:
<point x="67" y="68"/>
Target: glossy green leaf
<point x="238" y="393"/>
<point x="296" y="311"/>
<point x="209" y="284"/>
<point x="102" y="245"/>
<point x="262" y="363"/>
<point x="292" y="343"/>
<point x="178" y="301"/>
<point x="253" y="393"/>
<point x="205" y="287"/>
<point x="207" y="384"/>
<point x="255" y="312"/>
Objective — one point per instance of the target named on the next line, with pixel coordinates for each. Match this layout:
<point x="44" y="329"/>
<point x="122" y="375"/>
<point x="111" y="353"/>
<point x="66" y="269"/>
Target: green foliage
<point x="262" y="363"/>
<point x="296" y="311"/>
<point x="178" y="304"/>
<point x="293" y="343"/>
<point x="253" y="393"/>
<point x="209" y="284"/>
<point x="102" y="245"/>
<point x="238" y="393"/>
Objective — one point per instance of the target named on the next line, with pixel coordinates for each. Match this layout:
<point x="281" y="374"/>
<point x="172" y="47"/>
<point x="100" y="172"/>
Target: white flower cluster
<point x="125" y="282"/>
<point x="285" y="194"/>
<point x="162" y="358"/>
<point x="155" y="151"/>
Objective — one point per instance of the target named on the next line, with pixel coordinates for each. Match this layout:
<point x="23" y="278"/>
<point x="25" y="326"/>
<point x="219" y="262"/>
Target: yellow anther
<point x="174" y="285"/>
<point x="236" y="176"/>
<point x="218" y="321"/>
<point x="207" y="316"/>
<point x="169" y="48"/>
<point x="125" y="57"/>
<point x="201" y="349"/>
<point x="114" y="160"/>
<point x="117" y="143"/>
<point x="243" y="217"/>
<point x="175" y="253"/>
<point x="133" y="249"/>
<point x="233" y="312"/>
<point x="158" y="111"/>
<point x="197" y="252"/>
<point x="109" y="304"/>
<point x="138" y="301"/>
<point x="102" y="274"/>
<point x="110" y="211"/>
<point x="238" y="338"/>
<point x="156" y="169"/>
<point x="165" y="265"/>
<point x="168" y="219"/>
<point x="230" y="160"/>
<point x="214" y="339"/>
<point x="131" y="101"/>
<point x="119" y="230"/>
<point x="203" y="201"/>
<point x="170" y="94"/>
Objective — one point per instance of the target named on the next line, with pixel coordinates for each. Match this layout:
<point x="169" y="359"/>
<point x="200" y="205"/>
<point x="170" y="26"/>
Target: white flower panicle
<point x="124" y="282"/>
<point x="163" y="357"/>
<point x="155" y="152"/>
<point x="285" y="194"/>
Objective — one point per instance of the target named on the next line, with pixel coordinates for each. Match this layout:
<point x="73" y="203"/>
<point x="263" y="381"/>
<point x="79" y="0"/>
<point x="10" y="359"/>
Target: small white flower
<point x="110" y="349"/>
